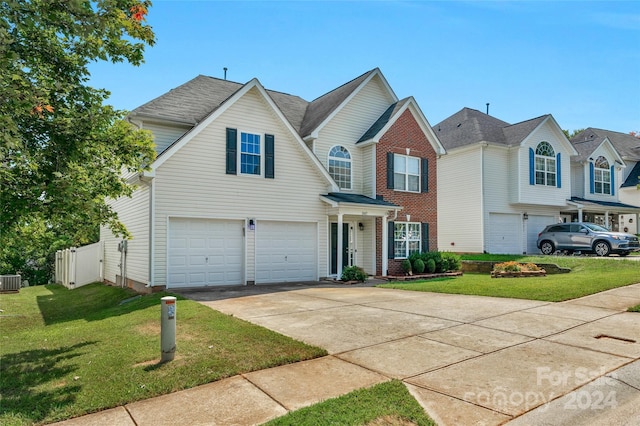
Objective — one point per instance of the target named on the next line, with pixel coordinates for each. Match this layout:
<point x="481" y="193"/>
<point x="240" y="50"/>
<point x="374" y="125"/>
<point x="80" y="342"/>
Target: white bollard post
<point x="168" y="328"/>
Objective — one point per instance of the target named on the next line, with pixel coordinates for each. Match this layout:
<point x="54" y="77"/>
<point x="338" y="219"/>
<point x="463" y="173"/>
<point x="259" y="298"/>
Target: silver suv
<point x="586" y="237"/>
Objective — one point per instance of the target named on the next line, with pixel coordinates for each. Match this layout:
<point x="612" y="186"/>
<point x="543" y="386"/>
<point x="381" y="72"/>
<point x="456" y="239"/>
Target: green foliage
<point x="587" y="276"/>
<point x="406" y="266"/>
<point x="431" y="266"/>
<point x="353" y="273"/>
<point x="388" y="403"/>
<point x="63" y="150"/>
<point x="453" y="259"/>
<point x="418" y="266"/>
<point x="71" y="352"/>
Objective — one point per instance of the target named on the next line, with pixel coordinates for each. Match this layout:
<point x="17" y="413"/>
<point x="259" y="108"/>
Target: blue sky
<point x="579" y="61"/>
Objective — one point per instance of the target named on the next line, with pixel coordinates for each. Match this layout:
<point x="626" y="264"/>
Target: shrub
<point x="418" y="266"/>
<point x="431" y="266"/>
<point x="406" y="266"/>
<point x="353" y="273"/>
<point x="454" y="261"/>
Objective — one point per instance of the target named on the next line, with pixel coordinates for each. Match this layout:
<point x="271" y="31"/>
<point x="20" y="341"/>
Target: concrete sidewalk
<point x="468" y="360"/>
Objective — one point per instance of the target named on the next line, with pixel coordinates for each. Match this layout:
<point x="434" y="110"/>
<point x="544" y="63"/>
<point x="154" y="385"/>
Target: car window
<point x="576" y="228"/>
<point x="595" y="227"/>
<point x="558" y="228"/>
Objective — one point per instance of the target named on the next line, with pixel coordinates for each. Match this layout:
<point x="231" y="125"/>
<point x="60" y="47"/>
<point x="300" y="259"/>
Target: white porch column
<point x="580" y="214"/>
<point x="385" y="246"/>
<point x="606" y="220"/>
<point x="340" y="247"/>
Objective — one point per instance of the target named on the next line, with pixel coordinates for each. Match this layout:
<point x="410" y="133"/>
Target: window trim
<point x="547" y="171"/>
<point x="261" y="154"/>
<point x="406" y="174"/>
<point x="605" y="173"/>
<point x="349" y="161"/>
<point x="417" y="239"/>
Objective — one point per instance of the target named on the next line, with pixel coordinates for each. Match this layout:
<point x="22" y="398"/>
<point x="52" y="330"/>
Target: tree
<point x="64" y="151"/>
<point x="572" y="134"/>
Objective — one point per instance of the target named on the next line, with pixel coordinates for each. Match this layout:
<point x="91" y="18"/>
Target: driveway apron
<point x="468" y="359"/>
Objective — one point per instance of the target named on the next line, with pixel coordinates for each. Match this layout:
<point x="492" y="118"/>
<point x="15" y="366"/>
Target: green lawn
<point x="388" y="403"/>
<point x="587" y="276"/>
<point x="69" y="352"/>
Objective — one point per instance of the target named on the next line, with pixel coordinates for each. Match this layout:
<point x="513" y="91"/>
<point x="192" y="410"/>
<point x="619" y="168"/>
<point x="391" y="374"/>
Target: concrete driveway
<point x="466" y="359"/>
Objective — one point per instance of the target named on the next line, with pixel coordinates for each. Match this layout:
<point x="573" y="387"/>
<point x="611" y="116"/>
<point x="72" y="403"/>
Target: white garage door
<point x="505" y="234"/>
<point x="535" y="225"/>
<point x="204" y="252"/>
<point x="286" y="252"/>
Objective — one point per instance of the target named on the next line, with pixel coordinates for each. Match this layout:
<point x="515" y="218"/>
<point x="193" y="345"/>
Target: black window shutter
<point x="269" y="151"/>
<point x="391" y="239"/>
<point x="425" y="174"/>
<point x="232" y="151"/>
<point x="390" y="171"/>
<point x="425" y="237"/>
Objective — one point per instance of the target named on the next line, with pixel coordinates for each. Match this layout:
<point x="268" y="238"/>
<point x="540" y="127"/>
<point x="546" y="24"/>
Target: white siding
<point x="541" y="194"/>
<point x="164" y="135"/>
<point x="577" y="180"/>
<point x="193" y="183"/>
<point x="605" y="151"/>
<point x="134" y="214"/>
<point x="460" y="201"/>
<point x="368" y="154"/>
<point x="350" y="124"/>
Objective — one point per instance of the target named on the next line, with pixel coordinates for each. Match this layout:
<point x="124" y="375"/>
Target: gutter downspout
<point x="385" y="239"/>
<point x="482" y="209"/>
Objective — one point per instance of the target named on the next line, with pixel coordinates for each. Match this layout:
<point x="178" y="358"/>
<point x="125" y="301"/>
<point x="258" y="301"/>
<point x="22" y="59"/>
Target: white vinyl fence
<point x="79" y="266"/>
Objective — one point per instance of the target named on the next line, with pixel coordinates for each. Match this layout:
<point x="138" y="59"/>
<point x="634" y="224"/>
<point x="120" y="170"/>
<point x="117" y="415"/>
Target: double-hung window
<point x="602" y="176"/>
<point x="545" y="164"/>
<point x="250" y="154"/>
<point x="406" y="173"/>
<point x="407" y="239"/>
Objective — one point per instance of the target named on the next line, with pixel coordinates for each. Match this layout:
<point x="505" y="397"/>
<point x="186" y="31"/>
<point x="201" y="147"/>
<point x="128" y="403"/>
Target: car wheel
<point x="602" y="248"/>
<point x="546" y="247"/>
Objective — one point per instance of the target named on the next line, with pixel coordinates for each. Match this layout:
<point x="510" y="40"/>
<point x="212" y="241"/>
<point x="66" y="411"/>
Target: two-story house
<point x="254" y="186"/>
<point x="605" y="177"/>
<point x="500" y="184"/>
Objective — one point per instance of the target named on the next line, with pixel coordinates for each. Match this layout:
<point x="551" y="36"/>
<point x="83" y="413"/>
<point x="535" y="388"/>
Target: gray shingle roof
<point x="319" y="109"/>
<point x="383" y="120"/>
<point x="603" y="203"/>
<point x="633" y="179"/>
<point x="192" y="101"/>
<point x="342" y="197"/>
<point x="470" y="126"/>
<point x="590" y="139"/>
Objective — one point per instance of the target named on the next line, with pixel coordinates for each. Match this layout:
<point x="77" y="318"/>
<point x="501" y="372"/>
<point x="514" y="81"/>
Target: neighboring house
<point x="253" y="186"/>
<point x="500" y="184"/>
<point x="605" y="177"/>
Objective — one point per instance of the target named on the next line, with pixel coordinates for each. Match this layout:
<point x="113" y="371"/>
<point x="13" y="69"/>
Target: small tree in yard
<point x="63" y="150"/>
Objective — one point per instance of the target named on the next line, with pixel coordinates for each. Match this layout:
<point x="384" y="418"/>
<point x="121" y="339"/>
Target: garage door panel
<point x="205" y="252"/>
<point x="505" y="234"/>
<point x="535" y="225"/>
<point x="286" y="251"/>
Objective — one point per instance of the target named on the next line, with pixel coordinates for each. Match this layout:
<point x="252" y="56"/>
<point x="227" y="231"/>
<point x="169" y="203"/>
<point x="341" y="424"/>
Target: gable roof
<point x="391" y="115"/>
<point x="205" y="121"/>
<point x="633" y="180"/>
<point x="470" y="126"/>
<point x="590" y="139"/>
<point x="194" y="100"/>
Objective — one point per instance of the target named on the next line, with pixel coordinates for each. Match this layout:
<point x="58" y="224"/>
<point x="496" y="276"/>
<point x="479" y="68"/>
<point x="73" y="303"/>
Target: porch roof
<point x="604" y="205"/>
<point x="362" y="200"/>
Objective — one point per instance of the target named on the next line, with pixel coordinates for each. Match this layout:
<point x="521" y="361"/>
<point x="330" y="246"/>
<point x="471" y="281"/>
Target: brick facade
<point x="422" y="207"/>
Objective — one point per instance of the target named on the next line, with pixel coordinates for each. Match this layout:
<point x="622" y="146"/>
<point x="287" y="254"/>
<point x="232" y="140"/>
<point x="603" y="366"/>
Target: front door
<point x="348" y="249"/>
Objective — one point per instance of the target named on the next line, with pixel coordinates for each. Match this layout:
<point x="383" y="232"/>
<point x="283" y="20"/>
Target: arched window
<point x="602" y="176"/>
<point x="340" y="166"/>
<point x="545" y="164"/>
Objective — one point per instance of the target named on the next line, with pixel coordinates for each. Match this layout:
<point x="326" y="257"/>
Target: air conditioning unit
<point x="10" y="282"/>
